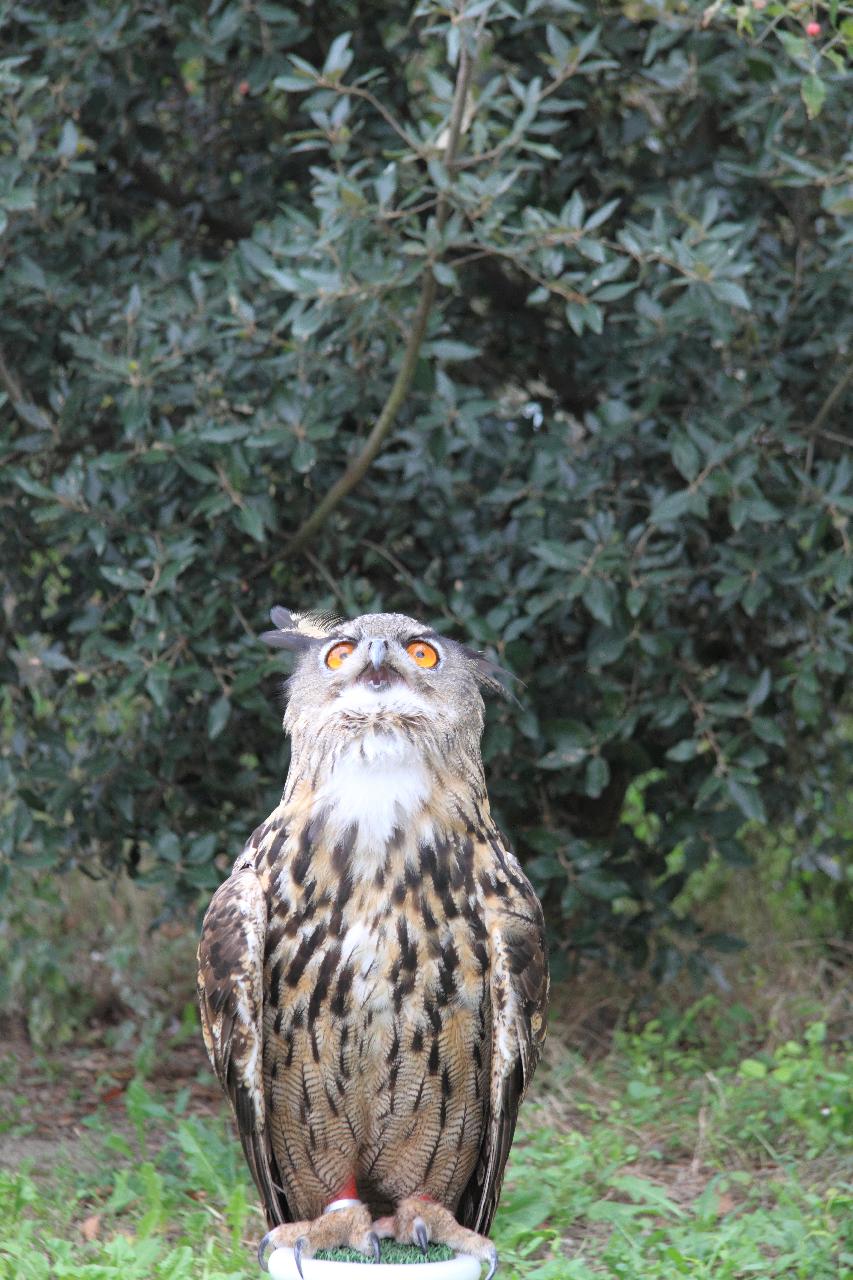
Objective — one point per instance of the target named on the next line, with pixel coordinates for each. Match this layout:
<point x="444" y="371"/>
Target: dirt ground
<point x="44" y="1100"/>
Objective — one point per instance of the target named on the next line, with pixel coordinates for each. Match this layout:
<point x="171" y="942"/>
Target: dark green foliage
<point x="621" y="468"/>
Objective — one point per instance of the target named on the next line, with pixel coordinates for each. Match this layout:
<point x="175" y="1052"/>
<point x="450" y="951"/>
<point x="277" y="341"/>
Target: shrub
<point x="569" y="278"/>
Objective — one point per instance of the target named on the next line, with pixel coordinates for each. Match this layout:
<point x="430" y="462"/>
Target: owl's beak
<point x="377" y="650"/>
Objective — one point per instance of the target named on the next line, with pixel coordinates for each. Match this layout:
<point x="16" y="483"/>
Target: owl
<point x="373" y="974"/>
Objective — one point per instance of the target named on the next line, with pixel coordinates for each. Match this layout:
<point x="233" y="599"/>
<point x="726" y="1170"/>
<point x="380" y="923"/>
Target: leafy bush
<point x="74" y="952"/>
<point x="529" y="320"/>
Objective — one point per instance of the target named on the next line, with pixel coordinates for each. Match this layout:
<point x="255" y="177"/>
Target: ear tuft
<point x="282" y="618"/>
<point x="318" y="625"/>
<point x="298" y="631"/>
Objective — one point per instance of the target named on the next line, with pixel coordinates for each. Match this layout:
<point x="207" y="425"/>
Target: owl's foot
<point x="344" y="1224"/>
<point x="418" y="1221"/>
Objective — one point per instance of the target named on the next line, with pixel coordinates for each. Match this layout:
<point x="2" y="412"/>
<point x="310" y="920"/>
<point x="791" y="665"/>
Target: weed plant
<point x="663" y="1161"/>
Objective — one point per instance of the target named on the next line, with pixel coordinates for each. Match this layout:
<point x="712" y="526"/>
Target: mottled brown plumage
<point x="373" y="976"/>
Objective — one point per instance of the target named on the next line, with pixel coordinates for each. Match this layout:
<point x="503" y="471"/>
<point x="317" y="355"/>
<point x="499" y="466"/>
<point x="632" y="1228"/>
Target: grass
<point x="675" y="1154"/>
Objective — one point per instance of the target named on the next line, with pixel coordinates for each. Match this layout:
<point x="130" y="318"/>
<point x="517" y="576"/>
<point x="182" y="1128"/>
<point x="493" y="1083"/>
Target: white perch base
<point x="282" y="1266"/>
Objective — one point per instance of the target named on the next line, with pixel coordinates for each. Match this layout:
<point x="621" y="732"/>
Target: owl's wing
<point x="519" y="991"/>
<point x="231" y="999"/>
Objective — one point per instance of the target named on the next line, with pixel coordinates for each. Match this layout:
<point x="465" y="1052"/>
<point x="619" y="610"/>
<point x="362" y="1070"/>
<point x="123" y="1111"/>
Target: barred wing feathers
<point x="519" y="991"/>
<point x="231" y="999"/>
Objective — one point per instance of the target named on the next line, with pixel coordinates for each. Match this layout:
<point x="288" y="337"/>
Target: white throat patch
<point x="378" y="783"/>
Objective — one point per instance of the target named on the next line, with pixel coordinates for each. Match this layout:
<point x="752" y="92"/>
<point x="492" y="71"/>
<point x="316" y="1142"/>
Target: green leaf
<point x="602" y="885"/>
<point x="747" y="800"/>
<point x="728" y="291"/>
<point x="217" y="716"/>
<point x="768" y="731"/>
<point x="157" y="683"/>
<point x="304" y="456"/>
<point x="225" y="434"/>
<point x="449" y="350"/>
<point x="752" y="508"/>
<point x="251" y="519"/>
<point x="128" y="579"/>
<point x="686" y="458"/>
<point x="602" y="214"/>
<point x="558" y="45"/>
<point x="576" y="316"/>
<point x="293" y="82"/>
<point x="564" y="756"/>
<point x="600" y="598"/>
<point x="68" y="140"/>
<point x="19" y="199"/>
<point x="597" y="776"/>
<point x="31" y="486"/>
<point x="556" y="555"/>
<point x="672" y="507"/>
<point x="760" y="690"/>
<point x="300" y="77"/>
<point x="635" y="598"/>
<point x="813" y="94"/>
<point x="339" y="57"/>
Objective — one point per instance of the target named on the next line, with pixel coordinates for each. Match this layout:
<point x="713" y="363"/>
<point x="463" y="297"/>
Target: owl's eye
<point x="338" y="654"/>
<point x="422" y="653"/>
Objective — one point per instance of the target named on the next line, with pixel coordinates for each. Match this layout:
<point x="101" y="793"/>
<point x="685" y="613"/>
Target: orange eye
<point x="338" y="654"/>
<point x="422" y="653"/>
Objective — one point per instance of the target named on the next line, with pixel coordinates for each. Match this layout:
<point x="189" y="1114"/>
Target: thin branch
<point x="396" y="396"/>
<point x="834" y="437"/>
<point x="407" y="211"/>
<point x="405" y="576"/>
<point x="330" y="582"/>
<point x="354" y="90"/>
<point x="553" y="286"/>
<point x="357" y="468"/>
<point x="832" y="399"/>
<point x="825" y="410"/>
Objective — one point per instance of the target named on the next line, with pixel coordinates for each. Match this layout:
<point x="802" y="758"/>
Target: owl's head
<point x="381" y="671"/>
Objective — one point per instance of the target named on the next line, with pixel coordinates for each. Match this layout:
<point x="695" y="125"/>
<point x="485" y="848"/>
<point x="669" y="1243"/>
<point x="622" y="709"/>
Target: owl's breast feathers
<point x="373" y="984"/>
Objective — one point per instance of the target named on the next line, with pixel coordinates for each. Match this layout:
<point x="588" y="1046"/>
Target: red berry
<point x="243" y="86"/>
<point x="813" y="29"/>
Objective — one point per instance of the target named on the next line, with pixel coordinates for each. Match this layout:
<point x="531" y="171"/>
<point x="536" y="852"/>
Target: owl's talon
<point x="421" y="1235"/>
<point x="297" y="1254"/>
<point x="421" y="1219"/>
<point x="262" y="1250"/>
<point x="347" y="1224"/>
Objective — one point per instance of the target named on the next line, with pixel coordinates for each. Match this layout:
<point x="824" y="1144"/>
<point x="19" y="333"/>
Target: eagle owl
<point x="373" y="975"/>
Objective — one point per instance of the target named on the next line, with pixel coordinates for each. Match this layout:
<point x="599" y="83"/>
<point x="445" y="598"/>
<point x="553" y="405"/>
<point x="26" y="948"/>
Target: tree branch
<point x="825" y="410"/>
<point x="832" y="399"/>
<point x="396" y="396"/>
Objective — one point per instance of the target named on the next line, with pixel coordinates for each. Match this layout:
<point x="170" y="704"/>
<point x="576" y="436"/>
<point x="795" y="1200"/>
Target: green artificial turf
<point x="391" y="1252"/>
